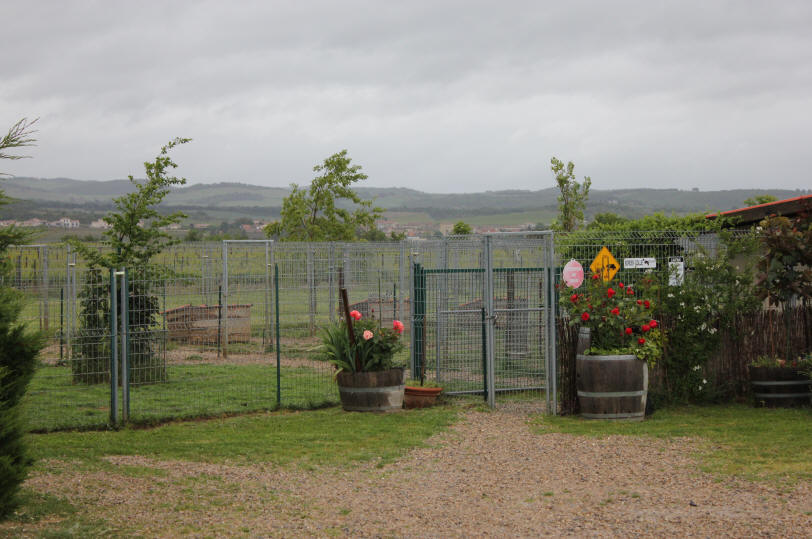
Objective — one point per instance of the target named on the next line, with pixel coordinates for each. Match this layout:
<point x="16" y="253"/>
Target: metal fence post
<point x="224" y="302"/>
<point x="311" y="289"/>
<point x="552" y="323"/>
<point x="113" y="349"/>
<point x="46" y="291"/>
<point x="125" y="347"/>
<point x="278" y="341"/>
<point x="491" y="318"/>
<point x="331" y="281"/>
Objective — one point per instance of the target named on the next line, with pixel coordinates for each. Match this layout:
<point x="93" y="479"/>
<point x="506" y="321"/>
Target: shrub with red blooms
<point x="617" y="321"/>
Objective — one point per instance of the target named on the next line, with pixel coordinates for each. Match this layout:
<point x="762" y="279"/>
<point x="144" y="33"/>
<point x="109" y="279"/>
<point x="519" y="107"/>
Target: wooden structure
<point x="201" y="324"/>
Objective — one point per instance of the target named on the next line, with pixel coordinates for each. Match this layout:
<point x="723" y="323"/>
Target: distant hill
<point x="240" y="199"/>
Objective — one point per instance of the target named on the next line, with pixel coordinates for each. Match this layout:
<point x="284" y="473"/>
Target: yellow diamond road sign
<point x="605" y="264"/>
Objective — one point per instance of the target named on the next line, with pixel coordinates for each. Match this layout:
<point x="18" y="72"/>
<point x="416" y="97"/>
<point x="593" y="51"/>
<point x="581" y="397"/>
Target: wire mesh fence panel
<point x="71" y="386"/>
<point x="451" y="340"/>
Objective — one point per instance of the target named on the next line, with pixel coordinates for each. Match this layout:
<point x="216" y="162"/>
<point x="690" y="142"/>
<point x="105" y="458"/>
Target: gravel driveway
<point x="489" y="475"/>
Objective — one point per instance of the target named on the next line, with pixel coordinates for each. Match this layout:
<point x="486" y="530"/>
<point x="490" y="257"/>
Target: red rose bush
<point x="619" y="315"/>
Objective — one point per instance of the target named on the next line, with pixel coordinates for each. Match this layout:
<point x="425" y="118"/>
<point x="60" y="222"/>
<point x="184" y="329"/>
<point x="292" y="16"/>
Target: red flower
<point x="355" y="315"/>
<point x="615" y="311"/>
<point x="589" y="306"/>
<point x="645" y="328"/>
<point x="641" y="340"/>
<point x="596" y="276"/>
<point x="653" y="324"/>
<point x="574" y="298"/>
<point x="620" y="285"/>
<point x="628" y="331"/>
<point x="397" y="325"/>
<point x="639" y="302"/>
<point x="585" y="316"/>
<point x="611" y="292"/>
<point x="647" y="304"/>
<point x="629" y="291"/>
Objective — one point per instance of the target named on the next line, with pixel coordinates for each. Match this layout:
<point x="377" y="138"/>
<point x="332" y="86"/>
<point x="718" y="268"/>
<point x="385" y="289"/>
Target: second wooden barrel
<point x="612" y="387"/>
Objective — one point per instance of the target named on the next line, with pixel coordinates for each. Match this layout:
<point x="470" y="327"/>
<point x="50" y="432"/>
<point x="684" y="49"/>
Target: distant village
<point x="256" y="227"/>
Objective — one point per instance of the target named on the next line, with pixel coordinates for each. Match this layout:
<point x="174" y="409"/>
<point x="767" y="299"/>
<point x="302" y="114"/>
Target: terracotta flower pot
<point x="420" y="397"/>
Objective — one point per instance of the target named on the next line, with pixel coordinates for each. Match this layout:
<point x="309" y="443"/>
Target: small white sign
<point x="676" y="271"/>
<point x="634" y="263"/>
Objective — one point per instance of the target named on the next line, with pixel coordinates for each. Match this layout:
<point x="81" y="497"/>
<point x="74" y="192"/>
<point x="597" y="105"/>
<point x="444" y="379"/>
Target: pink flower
<point x="397" y="325"/>
<point x="368" y="335"/>
<point x="355" y="315"/>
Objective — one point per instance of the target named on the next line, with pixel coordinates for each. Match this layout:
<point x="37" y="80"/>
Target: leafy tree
<point x="573" y="197"/>
<point x="18" y="350"/>
<point x="313" y="214"/>
<point x="135" y="236"/>
<point x="462" y="228"/>
<point x="606" y="219"/>
<point x="759" y="199"/>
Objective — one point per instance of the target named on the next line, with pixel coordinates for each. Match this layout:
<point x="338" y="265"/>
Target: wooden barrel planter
<point x="777" y="387"/>
<point x="420" y="397"/>
<point x="612" y="387"/>
<point x="376" y="391"/>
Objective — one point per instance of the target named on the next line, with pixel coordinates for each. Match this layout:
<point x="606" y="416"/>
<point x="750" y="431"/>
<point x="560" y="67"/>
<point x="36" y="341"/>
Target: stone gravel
<point x="490" y="475"/>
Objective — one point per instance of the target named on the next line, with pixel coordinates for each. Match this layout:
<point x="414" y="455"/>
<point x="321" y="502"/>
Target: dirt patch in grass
<point x="489" y="475"/>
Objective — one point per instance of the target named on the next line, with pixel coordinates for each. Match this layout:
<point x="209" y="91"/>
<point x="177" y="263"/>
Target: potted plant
<point x="421" y="393"/>
<point x="612" y="372"/>
<point x="778" y="383"/>
<point x="363" y="353"/>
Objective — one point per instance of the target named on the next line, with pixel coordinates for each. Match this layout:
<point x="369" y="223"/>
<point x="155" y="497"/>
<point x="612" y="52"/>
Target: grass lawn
<point x="326" y="437"/>
<point x="53" y="402"/>
<point x="755" y="443"/>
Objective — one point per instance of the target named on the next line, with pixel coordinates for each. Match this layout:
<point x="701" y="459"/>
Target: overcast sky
<point x="438" y="96"/>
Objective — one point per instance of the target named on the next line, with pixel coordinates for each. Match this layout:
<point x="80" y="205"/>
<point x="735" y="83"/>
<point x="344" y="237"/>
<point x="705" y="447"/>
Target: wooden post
<point x="350" y="331"/>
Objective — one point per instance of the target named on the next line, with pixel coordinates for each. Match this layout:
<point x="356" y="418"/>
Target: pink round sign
<point x="573" y="274"/>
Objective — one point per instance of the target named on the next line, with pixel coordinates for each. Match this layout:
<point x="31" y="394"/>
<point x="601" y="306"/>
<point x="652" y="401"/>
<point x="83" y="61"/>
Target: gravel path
<point x="489" y="475"/>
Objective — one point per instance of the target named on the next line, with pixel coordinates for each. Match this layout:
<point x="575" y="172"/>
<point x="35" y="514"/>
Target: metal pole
<point x="272" y="264"/>
<point x="224" y="301"/>
<point x="219" y="317"/>
<point x="278" y="341"/>
<point x="491" y="318"/>
<point x="552" y="323"/>
<point x="311" y="289"/>
<point x="266" y="329"/>
<point x="125" y="348"/>
<point x="113" y="350"/>
<point x="61" y="324"/>
<point x="44" y="256"/>
<point x="331" y="280"/>
<point x="413" y="346"/>
<point x="484" y="358"/>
